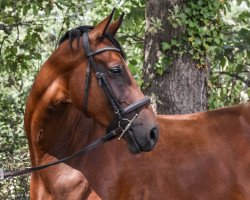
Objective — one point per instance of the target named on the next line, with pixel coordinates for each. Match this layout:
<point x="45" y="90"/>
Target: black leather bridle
<point x="118" y="128"/>
<point x="120" y="112"/>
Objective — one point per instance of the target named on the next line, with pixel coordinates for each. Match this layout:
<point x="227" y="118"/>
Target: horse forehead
<point x="110" y="57"/>
<point x="102" y="44"/>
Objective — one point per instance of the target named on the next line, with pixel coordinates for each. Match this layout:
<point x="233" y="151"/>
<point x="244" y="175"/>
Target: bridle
<point x="117" y="108"/>
<point x="117" y="129"/>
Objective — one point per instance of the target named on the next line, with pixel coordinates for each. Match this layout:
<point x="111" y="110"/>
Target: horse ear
<point x="99" y="31"/>
<point x="113" y="28"/>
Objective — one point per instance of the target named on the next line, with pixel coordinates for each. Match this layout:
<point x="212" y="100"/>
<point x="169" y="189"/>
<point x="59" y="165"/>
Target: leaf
<point x="35" y="10"/>
<point x="58" y="6"/>
<point x="217" y="40"/>
<point x="26" y="7"/>
<point x="165" y="46"/>
<point x="173" y="42"/>
<point x="223" y="61"/>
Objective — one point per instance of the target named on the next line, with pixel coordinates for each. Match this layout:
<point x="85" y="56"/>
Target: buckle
<point x="127" y="126"/>
<point x="98" y="75"/>
<point x="116" y="111"/>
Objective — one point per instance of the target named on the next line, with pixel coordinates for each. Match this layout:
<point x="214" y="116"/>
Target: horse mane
<point x="77" y="33"/>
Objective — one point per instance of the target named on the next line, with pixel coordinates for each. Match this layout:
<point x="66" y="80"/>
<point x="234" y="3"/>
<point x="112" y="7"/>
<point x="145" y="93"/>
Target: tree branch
<point x="134" y="37"/>
<point x="236" y="76"/>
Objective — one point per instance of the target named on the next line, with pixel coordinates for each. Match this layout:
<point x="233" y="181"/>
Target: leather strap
<point x="107" y="137"/>
<point x="136" y="105"/>
<point x="100" y="76"/>
<point x="87" y="48"/>
<point x="86" y="90"/>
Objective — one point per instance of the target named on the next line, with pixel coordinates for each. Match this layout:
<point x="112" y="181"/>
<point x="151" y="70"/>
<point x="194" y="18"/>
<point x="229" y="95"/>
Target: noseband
<point x="119" y="111"/>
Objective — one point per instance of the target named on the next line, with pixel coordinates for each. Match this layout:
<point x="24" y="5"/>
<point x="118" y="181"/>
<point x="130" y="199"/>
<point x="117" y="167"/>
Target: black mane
<point x="77" y="33"/>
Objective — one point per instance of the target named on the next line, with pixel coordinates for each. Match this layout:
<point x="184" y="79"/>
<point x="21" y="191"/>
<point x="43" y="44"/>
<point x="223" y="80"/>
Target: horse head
<point x="101" y="85"/>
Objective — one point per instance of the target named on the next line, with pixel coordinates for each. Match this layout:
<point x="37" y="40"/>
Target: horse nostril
<point x="154" y="135"/>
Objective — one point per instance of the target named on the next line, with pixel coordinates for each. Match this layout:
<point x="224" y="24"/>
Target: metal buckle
<point x="116" y="111"/>
<point x="98" y="76"/>
<point x="127" y="126"/>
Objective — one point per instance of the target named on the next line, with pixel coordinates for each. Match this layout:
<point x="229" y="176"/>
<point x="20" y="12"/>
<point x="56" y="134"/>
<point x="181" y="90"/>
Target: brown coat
<point x="202" y="156"/>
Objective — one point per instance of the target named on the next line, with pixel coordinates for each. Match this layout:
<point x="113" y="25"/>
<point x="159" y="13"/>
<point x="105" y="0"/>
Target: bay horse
<point x="200" y="156"/>
<point x="89" y="76"/>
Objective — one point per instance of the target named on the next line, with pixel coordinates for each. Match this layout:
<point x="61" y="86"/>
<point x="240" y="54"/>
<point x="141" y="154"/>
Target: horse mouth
<point x="132" y="143"/>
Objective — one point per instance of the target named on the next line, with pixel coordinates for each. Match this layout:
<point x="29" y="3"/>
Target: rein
<point x="107" y="137"/>
<point x="117" y="108"/>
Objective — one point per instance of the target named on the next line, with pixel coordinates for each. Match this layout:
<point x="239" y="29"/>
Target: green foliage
<point x="218" y="31"/>
<point x="203" y="30"/>
<point x="230" y="75"/>
<point x="163" y="64"/>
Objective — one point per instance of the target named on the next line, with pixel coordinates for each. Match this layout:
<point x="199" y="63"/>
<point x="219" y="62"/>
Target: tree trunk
<point x="183" y="87"/>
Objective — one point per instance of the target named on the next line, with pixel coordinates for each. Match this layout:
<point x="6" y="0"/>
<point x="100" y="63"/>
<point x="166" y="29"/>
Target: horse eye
<point x="116" y="71"/>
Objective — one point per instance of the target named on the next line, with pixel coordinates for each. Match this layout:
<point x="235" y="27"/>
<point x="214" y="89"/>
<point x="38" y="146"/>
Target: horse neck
<point x="111" y="168"/>
<point x="49" y="94"/>
<point x="103" y="166"/>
